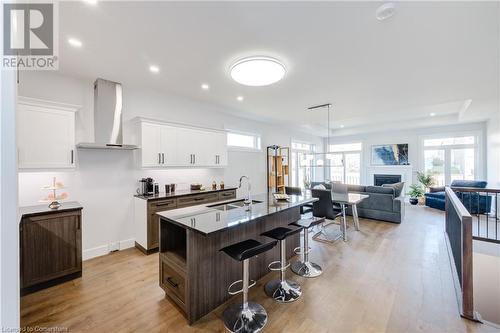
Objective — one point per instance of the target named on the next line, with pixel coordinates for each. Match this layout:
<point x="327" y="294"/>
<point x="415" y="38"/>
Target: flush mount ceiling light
<point x="385" y="11"/>
<point x="432" y="114"/>
<point x="154" y="69"/>
<point x="239" y="98"/>
<point x="257" y="71"/>
<point x="205" y="86"/>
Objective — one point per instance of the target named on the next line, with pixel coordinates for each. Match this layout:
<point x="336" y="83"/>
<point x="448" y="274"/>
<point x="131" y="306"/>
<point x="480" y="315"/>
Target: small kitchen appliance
<point x="146" y="186"/>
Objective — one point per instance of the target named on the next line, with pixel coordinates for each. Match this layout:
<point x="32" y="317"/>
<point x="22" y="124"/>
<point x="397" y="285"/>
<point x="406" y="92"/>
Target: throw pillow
<point x="319" y="187"/>
<point x="398" y="188"/>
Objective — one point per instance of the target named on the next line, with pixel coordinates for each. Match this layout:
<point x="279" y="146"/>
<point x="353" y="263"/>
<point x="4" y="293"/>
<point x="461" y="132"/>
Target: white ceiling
<point x="429" y="57"/>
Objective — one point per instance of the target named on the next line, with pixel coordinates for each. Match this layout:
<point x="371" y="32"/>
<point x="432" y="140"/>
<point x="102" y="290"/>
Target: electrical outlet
<point x="115" y="246"/>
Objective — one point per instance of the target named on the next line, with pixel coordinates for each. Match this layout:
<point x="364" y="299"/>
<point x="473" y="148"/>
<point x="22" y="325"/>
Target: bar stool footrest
<point x="232" y="293"/>
<point x="280" y="268"/>
<point x="298" y="250"/>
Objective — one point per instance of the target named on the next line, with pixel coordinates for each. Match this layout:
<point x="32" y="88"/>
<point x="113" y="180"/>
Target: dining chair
<point x="324" y="208"/>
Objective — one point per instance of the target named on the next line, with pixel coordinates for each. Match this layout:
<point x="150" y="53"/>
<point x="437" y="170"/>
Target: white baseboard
<point x="127" y="243"/>
<point x="95" y="252"/>
<point x="104" y="249"/>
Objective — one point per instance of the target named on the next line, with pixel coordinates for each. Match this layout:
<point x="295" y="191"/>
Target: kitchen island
<point x="193" y="272"/>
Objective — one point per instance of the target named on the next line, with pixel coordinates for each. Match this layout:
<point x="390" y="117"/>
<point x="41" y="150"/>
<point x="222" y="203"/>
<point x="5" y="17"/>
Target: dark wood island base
<point x="196" y="275"/>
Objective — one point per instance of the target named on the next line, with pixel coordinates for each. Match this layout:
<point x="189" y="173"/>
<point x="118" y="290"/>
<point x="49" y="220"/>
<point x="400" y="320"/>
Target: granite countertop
<point x="44" y="209"/>
<point x="181" y="193"/>
<point x="207" y="219"/>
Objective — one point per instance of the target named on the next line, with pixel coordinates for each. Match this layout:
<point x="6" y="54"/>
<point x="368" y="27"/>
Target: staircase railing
<point x="482" y="204"/>
<point x="458" y="229"/>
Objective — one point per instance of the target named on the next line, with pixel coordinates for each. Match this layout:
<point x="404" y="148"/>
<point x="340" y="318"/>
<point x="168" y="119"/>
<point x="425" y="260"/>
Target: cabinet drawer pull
<point x="159" y="158"/>
<point x="198" y="199"/>
<point x="162" y="158"/>
<point x="72" y="156"/>
<point x="164" y="204"/>
<point x="172" y="283"/>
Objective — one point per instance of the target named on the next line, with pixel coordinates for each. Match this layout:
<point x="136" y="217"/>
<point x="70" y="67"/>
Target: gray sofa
<point x="381" y="204"/>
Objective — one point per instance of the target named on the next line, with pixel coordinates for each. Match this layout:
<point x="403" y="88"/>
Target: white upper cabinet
<point x="217" y="151"/>
<point x="158" y="145"/>
<point x="46" y="134"/>
<point x="151" y="145"/>
<point x="165" y="145"/>
<point x="168" y="145"/>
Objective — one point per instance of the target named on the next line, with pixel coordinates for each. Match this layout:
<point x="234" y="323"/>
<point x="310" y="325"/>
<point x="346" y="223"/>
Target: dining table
<point x="351" y="199"/>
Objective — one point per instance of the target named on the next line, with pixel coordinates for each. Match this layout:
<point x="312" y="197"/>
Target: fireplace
<point x="379" y="179"/>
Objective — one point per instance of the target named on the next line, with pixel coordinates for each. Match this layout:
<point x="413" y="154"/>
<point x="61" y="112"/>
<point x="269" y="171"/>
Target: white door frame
<point x="9" y="221"/>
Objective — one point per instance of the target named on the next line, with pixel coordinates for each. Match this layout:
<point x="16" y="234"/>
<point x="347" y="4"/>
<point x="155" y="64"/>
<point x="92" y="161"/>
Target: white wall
<point x="413" y="138"/>
<point x="105" y="180"/>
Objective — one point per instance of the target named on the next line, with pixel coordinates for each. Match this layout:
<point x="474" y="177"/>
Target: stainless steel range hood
<point x="107" y="117"/>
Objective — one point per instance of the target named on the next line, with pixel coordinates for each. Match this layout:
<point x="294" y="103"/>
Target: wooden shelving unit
<point x="278" y="170"/>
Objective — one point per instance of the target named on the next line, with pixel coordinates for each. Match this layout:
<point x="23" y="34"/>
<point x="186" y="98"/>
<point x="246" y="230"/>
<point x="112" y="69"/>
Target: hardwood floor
<point x="386" y="278"/>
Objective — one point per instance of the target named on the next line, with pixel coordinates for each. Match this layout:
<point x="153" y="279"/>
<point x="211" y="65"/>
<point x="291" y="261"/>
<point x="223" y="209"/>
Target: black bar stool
<point x="306" y="268"/>
<point x="282" y="290"/>
<point x="248" y="316"/>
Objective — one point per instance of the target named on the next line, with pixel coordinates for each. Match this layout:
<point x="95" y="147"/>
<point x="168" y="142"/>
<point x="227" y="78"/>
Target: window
<point x="302" y="146"/>
<point x="465" y="140"/>
<point x="345" y="163"/>
<point x="302" y="163"/>
<point x="243" y="140"/>
<point x="450" y="158"/>
<point x="346" y="147"/>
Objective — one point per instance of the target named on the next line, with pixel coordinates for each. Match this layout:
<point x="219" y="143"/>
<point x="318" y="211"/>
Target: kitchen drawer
<point x="225" y="195"/>
<point x="173" y="282"/>
<point x="160" y="205"/>
<point x="198" y="199"/>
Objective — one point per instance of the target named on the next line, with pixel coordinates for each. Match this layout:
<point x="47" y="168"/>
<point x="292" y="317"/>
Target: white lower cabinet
<point x="166" y="145"/>
<point x="46" y="134"/>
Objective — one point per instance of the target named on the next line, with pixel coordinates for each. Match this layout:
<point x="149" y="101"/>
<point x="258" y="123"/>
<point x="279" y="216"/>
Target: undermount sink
<point x="232" y="205"/>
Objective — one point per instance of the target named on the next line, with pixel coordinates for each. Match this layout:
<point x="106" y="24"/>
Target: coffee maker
<point x="146" y="186"/>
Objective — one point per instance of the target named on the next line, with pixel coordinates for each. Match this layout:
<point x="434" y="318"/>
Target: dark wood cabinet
<point x="152" y="223"/>
<point x="146" y="222"/>
<point x="50" y="247"/>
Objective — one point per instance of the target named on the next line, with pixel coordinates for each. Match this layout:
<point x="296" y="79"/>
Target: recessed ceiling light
<point x="257" y="71"/>
<point x="92" y="2"/>
<point x="239" y="98"/>
<point x="342" y="126"/>
<point x="154" y="69"/>
<point x="432" y="114"/>
<point x="74" y="42"/>
<point x="385" y="11"/>
<point x="205" y="86"/>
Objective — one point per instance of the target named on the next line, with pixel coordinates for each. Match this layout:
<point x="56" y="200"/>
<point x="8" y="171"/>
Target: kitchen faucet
<point x="248" y="197"/>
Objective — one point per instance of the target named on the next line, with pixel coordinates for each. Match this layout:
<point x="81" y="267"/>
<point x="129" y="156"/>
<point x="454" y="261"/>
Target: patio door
<point x="345" y="167"/>
<point x="450" y="158"/>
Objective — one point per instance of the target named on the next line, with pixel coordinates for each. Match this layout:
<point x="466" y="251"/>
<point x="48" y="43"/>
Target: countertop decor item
<point x="196" y="187"/>
<point x="221" y="185"/>
<point x="53" y="198"/>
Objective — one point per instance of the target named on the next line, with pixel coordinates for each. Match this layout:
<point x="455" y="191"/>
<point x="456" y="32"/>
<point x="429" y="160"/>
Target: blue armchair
<point x="475" y="203"/>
